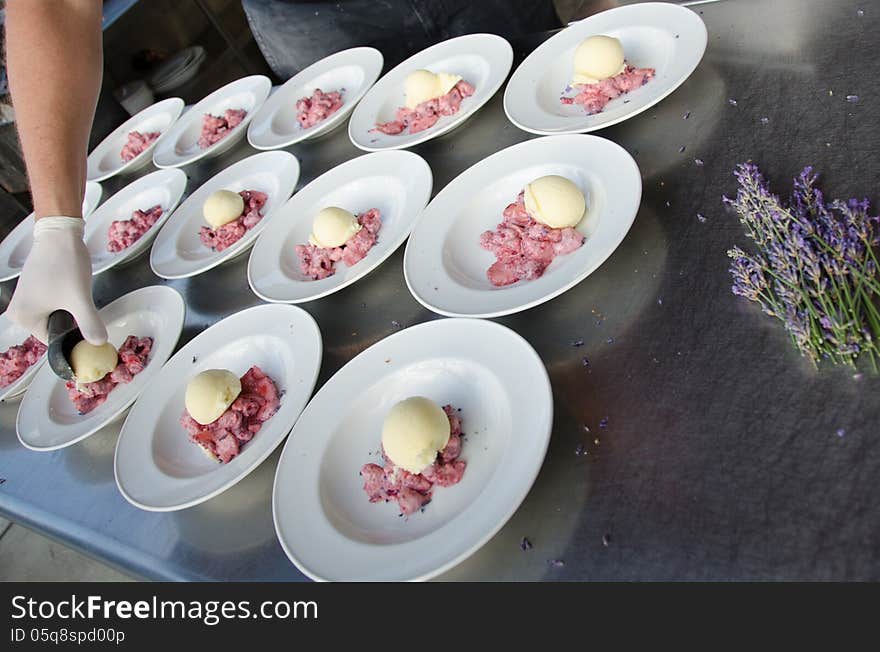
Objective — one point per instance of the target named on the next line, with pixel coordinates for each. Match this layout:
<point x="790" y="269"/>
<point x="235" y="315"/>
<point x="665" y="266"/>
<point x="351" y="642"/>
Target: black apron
<point x="294" y="34"/>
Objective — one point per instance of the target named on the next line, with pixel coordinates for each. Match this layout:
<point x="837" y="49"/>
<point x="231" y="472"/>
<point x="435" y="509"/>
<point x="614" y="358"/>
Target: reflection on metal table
<point x="690" y="441"/>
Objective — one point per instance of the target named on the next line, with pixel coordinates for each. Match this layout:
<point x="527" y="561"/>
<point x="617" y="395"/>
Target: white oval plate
<point x="105" y="161"/>
<point x="12" y="334"/>
<point x="355" y="70"/>
<point x="180" y="144"/>
<point x="323" y="518"/>
<point x="178" y="252"/>
<point x="397" y="183"/>
<point x="47" y="419"/>
<point x="163" y="187"/>
<point x="157" y="467"/>
<point x="481" y="59"/>
<point x="444" y="265"/>
<point x="669" y="38"/>
<point x="17" y="245"/>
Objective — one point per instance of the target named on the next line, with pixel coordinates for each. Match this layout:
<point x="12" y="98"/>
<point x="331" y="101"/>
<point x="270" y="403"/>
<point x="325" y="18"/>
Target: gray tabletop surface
<point x="725" y="454"/>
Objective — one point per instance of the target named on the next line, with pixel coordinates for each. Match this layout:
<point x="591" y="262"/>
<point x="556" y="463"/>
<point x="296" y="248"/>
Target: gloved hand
<point x="57" y="275"/>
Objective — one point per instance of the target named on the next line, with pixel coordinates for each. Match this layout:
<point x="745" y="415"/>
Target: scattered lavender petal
<point x="610" y="340"/>
<point x="731" y="101"/>
<point x="852" y="99"/>
<point x="603" y="422"/>
<point x="699" y="162"/>
<point x="556" y="563"/>
<point x="577" y="343"/>
<point x="525" y="544"/>
<point x="585" y="362"/>
<point x="395" y="323"/>
<point x="581" y="450"/>
<point x="681" y="149"/>
<point x="701" y="218"/>
<point x="659" y="301"/>
<point x="606" y="539"/>
<point x="858" y="376"/>
<point x="765" y="120"/>
<point x="686" y="115"/>
<point x="841" y="432"/>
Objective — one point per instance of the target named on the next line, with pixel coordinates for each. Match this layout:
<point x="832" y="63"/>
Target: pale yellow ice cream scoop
<point x="597" y="58"/>
<point x="332" y="227"/>
<point x="222" y="207"/>
<point x="91" y="363"/>
<point x="210" y="394"/>
<point x="423" y="85"/>
<point x="555" y="201"/>
<point x="415" y="430"/>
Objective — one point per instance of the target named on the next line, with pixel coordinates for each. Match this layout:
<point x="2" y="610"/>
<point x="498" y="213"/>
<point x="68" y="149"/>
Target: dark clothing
<point x="294" y="34"/>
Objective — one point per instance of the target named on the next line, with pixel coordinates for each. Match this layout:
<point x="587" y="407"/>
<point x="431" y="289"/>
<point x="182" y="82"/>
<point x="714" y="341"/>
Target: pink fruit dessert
<point x="227" y="235"/>
<point x="320" y="262"/>
<point x="594" y="97"/>
<point x="124" y="233"/>
<point x="15" y="360"/>
<point x="137" y="143"/>
<point x="224" y="438"/>
<point x="216" y="128"/>
<point x="133" y="356"/>
<point x="318" y="107"/>
<point x="523" y="247"/>
<point x="412" y="491"/>
<point x="425" y="115"/>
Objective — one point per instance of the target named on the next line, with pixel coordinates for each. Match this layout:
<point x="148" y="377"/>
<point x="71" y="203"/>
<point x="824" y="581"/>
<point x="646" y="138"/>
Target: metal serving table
<point x="722" y="456"/>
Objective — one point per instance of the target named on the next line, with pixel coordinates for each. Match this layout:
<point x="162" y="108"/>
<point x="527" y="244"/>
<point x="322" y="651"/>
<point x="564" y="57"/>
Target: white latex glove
<point x="57" y="275"/>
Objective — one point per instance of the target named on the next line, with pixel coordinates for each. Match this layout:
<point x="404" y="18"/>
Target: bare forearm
<point x="54" y="62"/>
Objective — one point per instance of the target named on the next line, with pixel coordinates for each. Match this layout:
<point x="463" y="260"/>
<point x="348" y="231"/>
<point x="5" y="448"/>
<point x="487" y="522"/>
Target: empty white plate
<point x="163" y="187"/>
<point x="47" y="419"/>
<point x="397" y="183"/>
<point x="105" y="160"/>
<point x="180" y="145"/>
<point x="178" y="252"/>
<point x="444" y="264"/>
<point x="351" y="72"/>
<point x="669" y="38"/>
<point x="323" y="518"/>
<point x="157" y="467"/>
<point x="480" y="59"/>
<point x="12" y="335"/>
<point x="17" y="245"/>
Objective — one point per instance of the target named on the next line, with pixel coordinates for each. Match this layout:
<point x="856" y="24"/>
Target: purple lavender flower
<point x="815" y="268"/>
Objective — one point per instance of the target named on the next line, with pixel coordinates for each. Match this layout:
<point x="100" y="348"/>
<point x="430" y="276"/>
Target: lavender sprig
<point x="815" y="268"/>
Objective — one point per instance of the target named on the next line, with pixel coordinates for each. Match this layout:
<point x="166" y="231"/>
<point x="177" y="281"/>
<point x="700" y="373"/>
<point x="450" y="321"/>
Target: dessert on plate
<point x="317" y="107"/>
<point x="338" y="235"/>
<point x="537" y="227"/>
<point x="123" y="233"/>
<point x="421" y="445"/>
<point x="99" y="369"/>
<point x="229" y="216"/>
<point x="137" y="142"/>
<point x="15" y="360"/>
<point x="429" y="96"/>
<point x="601" y="74"/>
<point x="224" y="412"/>
<point x="216" y="128"/>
